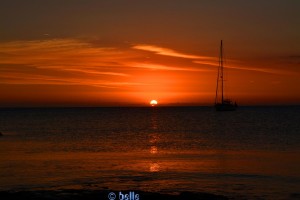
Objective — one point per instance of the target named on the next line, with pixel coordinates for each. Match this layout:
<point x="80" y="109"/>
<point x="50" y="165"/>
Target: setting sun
<point x="153" y="102"/>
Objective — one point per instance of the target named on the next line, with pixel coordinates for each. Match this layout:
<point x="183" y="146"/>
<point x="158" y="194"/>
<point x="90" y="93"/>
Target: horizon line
<point x="146" y="106"/>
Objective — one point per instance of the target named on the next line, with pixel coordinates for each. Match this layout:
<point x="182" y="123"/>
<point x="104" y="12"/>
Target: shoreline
<point x="77" y="194"/>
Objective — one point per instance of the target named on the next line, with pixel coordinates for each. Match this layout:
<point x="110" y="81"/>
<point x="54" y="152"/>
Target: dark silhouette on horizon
<point x="225" y="104"/>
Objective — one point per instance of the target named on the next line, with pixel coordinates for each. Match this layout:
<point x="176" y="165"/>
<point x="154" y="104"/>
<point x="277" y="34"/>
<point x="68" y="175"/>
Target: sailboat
<point x="222" y="104"/>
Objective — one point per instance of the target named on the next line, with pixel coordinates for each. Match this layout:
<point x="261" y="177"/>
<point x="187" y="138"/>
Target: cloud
<point x="76" y="62"/>
<point x="58" y="52"/>
<point x="242" y="66"/>
<point x="167" y="52"/>
<point x="153" y="66"/>
<point x="38" y="79"/>
<point x="211" y="63"/>
<point x="61" y="61"/>
<point x="87" y="71"/>
<point x="203" y="60"/>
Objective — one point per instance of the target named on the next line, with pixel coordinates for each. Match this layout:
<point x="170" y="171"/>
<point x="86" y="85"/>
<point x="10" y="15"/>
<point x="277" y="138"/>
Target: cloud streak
<point x="77" y="62"/>
<point x="245" y="68"/>
<point x="154" y="66"/>
<point x="202" y="60"/>
<point x="167" y="52"/>
<point x="61" y="62"/>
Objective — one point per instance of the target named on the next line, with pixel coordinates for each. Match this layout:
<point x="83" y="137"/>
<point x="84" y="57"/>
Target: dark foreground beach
<point x="97" y="194"/>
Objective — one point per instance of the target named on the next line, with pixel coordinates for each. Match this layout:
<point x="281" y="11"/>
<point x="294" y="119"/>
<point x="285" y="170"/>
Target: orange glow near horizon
<point x="118" y="54"/>
<point x="77" y="72"/>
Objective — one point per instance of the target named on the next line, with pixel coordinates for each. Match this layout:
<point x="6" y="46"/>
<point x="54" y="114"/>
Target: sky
<point x="128" y="52"/>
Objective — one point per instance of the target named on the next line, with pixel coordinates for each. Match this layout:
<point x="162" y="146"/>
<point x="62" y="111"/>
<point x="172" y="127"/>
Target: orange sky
<point x="130" y="65"/>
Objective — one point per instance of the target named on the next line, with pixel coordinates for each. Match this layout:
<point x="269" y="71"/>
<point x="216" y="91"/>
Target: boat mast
<point x="221" y="65"/>
<point x="220" y="76"/>
<point x="217" y="88"/>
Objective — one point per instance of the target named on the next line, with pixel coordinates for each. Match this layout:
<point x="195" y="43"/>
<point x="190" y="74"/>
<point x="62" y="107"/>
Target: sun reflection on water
<point x="154" y="139"/>
<point x="154" y="167"/>
<point x="153" y="150"/>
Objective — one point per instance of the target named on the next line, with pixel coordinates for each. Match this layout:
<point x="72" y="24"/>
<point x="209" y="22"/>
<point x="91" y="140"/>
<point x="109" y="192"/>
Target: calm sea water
<point x="251" y="153"/>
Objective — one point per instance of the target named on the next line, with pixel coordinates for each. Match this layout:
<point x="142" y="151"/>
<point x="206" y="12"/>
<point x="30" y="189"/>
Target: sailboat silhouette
<point x="222" y="104"/>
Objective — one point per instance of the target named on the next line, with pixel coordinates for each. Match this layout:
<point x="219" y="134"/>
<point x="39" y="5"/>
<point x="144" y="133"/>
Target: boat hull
<point x="225" y="107"/>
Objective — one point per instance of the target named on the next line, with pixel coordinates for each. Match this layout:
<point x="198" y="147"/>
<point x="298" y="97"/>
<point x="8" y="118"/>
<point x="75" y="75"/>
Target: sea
<point x="251" y="153"/>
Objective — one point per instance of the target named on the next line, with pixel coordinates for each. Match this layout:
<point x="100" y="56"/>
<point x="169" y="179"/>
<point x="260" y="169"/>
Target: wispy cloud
<point x="242" y="66"/>
<point x="153" y="66"/>
<point x="61" y="61"/>
<point x="167" y="52"/>
<point x="58" y="52"/>
<point x="87" y="71"/>
<point x="197" y="59"/>
<point x="76" y="62"/>
<point x="37" y="79"/>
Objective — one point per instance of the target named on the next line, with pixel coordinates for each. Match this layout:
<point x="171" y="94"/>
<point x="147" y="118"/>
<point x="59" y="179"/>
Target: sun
<point x="153" y="102"/>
